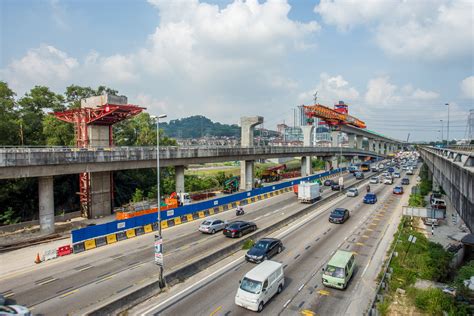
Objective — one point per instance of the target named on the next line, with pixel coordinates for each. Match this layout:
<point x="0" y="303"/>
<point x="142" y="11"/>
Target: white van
<point x="259" y="285"/>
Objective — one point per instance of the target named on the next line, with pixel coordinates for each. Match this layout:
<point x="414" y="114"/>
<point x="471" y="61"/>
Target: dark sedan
<point x="337" y="187"/>
<point x="264" y="249"/>
<point x="405" y="181"/>
<point x="339" y="216"/>
<point x="328" y="183"/>
<point x="239" y="228"/>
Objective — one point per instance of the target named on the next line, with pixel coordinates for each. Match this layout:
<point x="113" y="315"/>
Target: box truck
<point x="308" y="192"/>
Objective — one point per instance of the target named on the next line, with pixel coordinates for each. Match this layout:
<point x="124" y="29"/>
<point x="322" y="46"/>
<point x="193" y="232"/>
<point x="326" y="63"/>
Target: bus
<point x="365" y="167"/>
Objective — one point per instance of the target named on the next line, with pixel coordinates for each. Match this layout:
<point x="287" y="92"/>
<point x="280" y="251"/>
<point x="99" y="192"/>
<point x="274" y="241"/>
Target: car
<point x="337" y="187"/>
<point x="410" y="172"/>
<point x="239" y="228"/>
<point x="14" y="310"/>
<point x="370" y="198"/>
<point x="438" y="204"/>
<point x="396" y="175"/>
<point x="339" y="216"/>
<point x="435" y="195"/>
<point x="388" y="180"/>
<point x="264" y="249"/>
<point x="352" y="192"/>
<point x="328" y="183"/>
<point x="353" y="169"/>
<point x="398" y="190"/>
<point x="374" y="169"/>
<point x="359" y="175"/>
<point x="374" y="180"/>
<point x="211" y="225"/>
<point x="405" y="181"/>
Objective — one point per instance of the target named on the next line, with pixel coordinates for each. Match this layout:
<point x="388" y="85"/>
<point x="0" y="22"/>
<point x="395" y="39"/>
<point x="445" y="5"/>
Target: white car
<point x="410" y="171"/>
<point x="352" y="192"/>
<point x="374" y="180"/>
<point x="388" y="180"/>
<point x="396" y="175"/>
<point x="16" y="310"/>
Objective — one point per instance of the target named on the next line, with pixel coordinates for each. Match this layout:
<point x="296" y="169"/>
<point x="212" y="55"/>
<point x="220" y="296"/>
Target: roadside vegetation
<point x="422" y="260"/>
<point x="417" y="198"/>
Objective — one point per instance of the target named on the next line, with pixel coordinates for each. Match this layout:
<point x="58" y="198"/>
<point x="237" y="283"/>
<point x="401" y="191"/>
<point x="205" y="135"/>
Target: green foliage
<point x="384" y="307"/>
<point x="318" y="164"/>
<point x="8" y="217"/>
<point x="58" y="133"/>
<point x="9" y="127"/>
<point x="416" y="200"/>
<point x="433" y="301"/>
<point x="248" y="244"/>
<point x="198" y="126"/>
<point x="464" y="273"/>
<point x="137" y="196"/>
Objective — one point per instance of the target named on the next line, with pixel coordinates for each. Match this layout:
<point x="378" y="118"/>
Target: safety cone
<point x="37" y="260"/>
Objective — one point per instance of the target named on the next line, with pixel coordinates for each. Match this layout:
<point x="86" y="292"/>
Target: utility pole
<point x="447" y="137"/>
<point x="442" y="135"/>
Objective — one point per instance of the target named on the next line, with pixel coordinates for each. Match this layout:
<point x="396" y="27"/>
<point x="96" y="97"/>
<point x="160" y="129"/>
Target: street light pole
<point x="159" y="239"/>
<point x="442" y="135"/>
<point x="447" y="137"/>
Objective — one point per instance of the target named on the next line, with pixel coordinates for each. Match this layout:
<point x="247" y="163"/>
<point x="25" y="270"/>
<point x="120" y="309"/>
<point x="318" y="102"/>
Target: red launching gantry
<point x="333" y="117"/>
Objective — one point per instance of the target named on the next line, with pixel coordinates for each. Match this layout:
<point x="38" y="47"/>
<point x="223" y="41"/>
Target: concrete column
<point x="179" y="178"/>
<point x="246" y="175"/>
<point x="436" y="187"/>
<point x="306" y="169"/>
<point x="352" y="140"/>
<point x="247" y="125"/>
<point x="100" y="194"/>
<point x="46" y="204"/>
<point x="371" y="144"/>
<point x="335" y="137"/>
<point x="359" y="142"/>
<point x="305" y="166"/>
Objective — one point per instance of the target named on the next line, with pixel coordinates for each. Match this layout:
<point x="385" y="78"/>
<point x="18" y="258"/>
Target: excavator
<point x="231" y="185"/>
<point x="273" y="173"/>
<point x="333" y="117"/>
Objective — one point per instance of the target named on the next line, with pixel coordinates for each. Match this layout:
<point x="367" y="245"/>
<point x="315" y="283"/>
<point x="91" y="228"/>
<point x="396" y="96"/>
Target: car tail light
<point x="234" y="230"/>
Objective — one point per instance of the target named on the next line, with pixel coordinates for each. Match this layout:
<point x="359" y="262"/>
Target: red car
<point x="398" y="190"/>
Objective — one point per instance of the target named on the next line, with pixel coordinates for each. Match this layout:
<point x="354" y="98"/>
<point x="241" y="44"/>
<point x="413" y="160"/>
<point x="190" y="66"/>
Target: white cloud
<point x="45" y="65"/>
<point x="380" y="92"/>
<point x="467" y="87"/>
<point x="419" y="94"/>
<point x="438" y="29"/>
<point x="330" y="89"/>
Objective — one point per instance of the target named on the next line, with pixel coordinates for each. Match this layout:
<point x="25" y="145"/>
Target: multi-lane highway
<point x="74" y="284"/>
<point x="308" y="246"/>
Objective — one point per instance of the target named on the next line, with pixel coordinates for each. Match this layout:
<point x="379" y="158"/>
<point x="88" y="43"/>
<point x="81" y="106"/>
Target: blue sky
<point x="395" y="62"/>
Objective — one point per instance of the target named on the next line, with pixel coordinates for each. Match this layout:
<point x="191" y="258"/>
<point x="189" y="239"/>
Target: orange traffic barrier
<point x="37" y="260"/>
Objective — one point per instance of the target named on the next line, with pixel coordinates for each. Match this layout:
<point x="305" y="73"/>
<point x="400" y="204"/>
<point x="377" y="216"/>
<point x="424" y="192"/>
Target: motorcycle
<point x="368" y="188"/>
<point x="239" y="211"/>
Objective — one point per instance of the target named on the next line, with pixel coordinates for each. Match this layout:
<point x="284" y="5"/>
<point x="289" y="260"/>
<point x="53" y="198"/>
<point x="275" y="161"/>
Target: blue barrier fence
<point x="122" y="225"/>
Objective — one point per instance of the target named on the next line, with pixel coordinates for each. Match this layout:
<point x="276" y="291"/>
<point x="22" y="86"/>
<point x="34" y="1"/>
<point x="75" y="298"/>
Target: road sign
<point x="158" y="250"/>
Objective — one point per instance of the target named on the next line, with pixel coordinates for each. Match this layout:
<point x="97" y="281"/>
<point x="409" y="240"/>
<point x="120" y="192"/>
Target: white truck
<point x="308" y="192"/>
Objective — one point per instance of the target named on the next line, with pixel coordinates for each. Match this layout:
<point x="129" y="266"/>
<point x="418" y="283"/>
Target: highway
<point x="308" y="245"/>
<point x="78" y="282"/>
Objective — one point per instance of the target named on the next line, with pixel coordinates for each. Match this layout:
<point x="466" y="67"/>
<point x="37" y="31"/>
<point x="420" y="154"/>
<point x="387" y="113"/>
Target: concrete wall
<point x="456" y="180"/>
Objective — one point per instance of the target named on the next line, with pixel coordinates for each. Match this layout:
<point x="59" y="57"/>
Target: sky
<point x="397" y="63"/>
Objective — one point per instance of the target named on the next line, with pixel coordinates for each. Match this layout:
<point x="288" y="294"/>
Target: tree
<point x="9" y="127"/>
<point x="58" y="133"/>
<point x="137" y="196"/>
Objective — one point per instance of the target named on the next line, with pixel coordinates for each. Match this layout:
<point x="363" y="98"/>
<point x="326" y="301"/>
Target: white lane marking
<point x="230" y="264"/>
<point x="286" y="304"/>
<point x="301" y="287"/>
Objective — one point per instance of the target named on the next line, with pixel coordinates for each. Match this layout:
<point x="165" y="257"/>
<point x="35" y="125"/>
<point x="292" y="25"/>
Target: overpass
<point x="453" y="170"/>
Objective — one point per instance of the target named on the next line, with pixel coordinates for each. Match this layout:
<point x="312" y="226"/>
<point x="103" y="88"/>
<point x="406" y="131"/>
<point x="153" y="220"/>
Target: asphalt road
<point x="74" y="283"/>
<point x="308" y="246"/>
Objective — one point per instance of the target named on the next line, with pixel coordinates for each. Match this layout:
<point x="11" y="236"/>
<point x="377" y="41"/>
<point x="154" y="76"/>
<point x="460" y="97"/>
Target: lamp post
<point x="158" y="239"/>
<point x="442" y="135"/>
<point x="447" y="132"/>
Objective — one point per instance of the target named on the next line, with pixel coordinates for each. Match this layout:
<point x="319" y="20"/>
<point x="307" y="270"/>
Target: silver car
<point x="210" y="226"/>
<point x="374" y="180"/>
<point x="352" y="192"/>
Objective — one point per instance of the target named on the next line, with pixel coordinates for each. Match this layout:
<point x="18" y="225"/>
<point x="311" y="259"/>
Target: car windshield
<point x="263" y="244"/>
<point x="334" y="271"/>
<point x="207" y="223"/>
<point x="251" y="286"/>
<point x="370" y="196"/>
<point x="338" y="212"/>
<point x="234" y="226"/>
<point x="352" y="190"/>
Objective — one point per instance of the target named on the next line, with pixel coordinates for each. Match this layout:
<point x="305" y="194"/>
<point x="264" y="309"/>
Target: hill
<point x="198" y="126"/>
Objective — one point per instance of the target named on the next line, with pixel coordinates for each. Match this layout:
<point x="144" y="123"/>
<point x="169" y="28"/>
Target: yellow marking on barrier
<point x="215" y="311"/>
<point x="211" y="211"/>
<point x="69" y="293"/>
<point x="201" y="214"/>
<point x="359" y="243"/>
<point x="307" y="312"/>
<point x="189" y="217"/>
<point x="148" y="228"/>
<point x="324" y="292"/>
<point x="112" y="238"/>
<point x="177" y="220"/>
<point x="130" y="233"/>
<point x="221" y="208"/>
<point x="164" y="224"/>
<point x="89" y="244"/>
<point x="249" y="200"/>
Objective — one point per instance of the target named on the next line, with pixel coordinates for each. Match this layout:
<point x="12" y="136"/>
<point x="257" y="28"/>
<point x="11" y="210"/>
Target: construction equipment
<point x="231" y="185"/>
<point x="333" y="117"/>
<point x="273" y="173"/>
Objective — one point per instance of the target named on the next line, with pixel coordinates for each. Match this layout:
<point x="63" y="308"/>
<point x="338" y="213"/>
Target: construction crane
<point x="333" y="117"/>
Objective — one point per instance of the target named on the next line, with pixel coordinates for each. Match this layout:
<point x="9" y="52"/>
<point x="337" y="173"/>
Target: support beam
<point x="306" y="169"/>
<point x="352" y="140"/>
<point x="247" y="125"/>
<point x="335" y="138"/>
<point x="179" y="179"/>
<point x="100" y="194"/>
<point x="359" y="142"/>
<point x="46" y="204"/>
<point x="305" y="166"/>
<point x="371" y="144"/>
